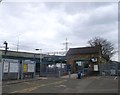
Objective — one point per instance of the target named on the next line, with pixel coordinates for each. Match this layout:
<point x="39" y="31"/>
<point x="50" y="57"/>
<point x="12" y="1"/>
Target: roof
<point x="22" y="54"/>
<point x="55" y="58"/>
<point x="82" y="50"/>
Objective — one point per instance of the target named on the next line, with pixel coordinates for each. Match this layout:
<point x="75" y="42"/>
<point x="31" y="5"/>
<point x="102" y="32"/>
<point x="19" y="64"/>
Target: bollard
<point x="69" y="74"/>
<point x="59" y="74"/>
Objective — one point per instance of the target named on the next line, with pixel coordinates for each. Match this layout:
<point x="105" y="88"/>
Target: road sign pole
<point x="59" y="74"/>
<point x="69" y="70"/>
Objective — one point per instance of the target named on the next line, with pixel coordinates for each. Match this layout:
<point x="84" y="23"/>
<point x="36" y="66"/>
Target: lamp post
<point x="40" y="59"/>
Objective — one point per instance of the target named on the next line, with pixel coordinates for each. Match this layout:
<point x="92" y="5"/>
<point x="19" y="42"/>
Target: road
<point x="63" y="85"/>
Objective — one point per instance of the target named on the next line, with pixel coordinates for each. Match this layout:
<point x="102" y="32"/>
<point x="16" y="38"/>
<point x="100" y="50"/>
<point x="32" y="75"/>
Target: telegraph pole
<point x="18" y="44"/>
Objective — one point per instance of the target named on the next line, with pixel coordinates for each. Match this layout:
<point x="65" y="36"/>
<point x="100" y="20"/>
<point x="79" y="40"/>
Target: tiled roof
<point x="82" y="50"/>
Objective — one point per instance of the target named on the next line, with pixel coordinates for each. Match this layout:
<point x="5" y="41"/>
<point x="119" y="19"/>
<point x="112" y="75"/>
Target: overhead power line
<point x="2" y="46"/>
<point x="55" y="53"/>
<point x="66" y="45"/>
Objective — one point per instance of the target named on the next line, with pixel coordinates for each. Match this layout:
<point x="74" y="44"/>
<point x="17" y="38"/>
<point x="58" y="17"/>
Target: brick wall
<point x="72" y="58"/>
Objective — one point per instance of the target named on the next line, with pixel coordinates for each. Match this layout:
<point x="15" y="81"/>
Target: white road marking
<point x="115" y="78"/>
<point x="100" y="90"/>
<point x="61" y="86"/>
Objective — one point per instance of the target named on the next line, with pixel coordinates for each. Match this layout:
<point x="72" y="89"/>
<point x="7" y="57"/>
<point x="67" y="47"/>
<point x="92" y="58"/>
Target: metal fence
<point x="110" y="69"/>
<point x="53" y="70"/>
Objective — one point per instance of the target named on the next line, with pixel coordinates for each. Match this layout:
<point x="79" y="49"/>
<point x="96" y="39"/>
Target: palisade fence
<point x="53" y="70"/>
<point x="110" y="69"/>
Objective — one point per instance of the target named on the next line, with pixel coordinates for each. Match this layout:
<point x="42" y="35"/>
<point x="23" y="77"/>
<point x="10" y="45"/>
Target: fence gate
<point x="53" y="70"/>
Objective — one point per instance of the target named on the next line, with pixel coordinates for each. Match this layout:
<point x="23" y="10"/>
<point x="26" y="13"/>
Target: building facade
<point x="85" y="59"/>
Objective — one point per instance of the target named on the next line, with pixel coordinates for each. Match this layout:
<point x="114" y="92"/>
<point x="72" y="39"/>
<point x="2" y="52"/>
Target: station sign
<point x="94" y="59"/>
<point x="95" y="67"/>
<point x="79" y="63"/>
<point x="25" y="68"/>
<point x="28" y="66"/>
<point x="10" y="65"/>
<point x="14" y="67"/>
<point x="31" y="67"/>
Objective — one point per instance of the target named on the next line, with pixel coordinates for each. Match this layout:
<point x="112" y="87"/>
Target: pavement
<point x="72" y="76"/>
<point x="7" y="82"/>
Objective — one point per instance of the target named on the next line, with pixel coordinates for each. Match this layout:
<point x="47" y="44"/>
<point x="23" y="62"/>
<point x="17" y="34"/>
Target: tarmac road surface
<point x="96" y="84"/>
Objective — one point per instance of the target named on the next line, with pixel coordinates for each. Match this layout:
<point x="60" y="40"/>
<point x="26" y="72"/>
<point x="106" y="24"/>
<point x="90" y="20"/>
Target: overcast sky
<point x="47" y="25"/>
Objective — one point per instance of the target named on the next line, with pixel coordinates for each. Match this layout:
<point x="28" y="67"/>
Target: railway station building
<point x="85" y="59"/>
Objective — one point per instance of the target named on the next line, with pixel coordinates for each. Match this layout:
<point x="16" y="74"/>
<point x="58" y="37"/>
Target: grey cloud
<point x="75" y="7"/>
<point x="46" y="25"/>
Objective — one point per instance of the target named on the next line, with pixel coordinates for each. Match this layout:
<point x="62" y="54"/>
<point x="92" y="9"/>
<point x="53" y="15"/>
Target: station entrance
<point x="82" y="66"/>
<point x="54" y="66"/>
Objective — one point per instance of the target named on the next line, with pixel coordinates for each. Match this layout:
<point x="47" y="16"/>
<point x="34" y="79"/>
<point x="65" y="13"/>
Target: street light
<point x="40" y="59"/>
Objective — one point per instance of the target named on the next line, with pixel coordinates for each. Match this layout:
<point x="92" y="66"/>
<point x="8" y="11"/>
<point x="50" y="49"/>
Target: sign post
<point x="69" y="74"/>
<point x="69" y="70"/>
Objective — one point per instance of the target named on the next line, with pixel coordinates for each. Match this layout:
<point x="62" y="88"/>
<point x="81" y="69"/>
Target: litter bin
<point x="79" y="75"/>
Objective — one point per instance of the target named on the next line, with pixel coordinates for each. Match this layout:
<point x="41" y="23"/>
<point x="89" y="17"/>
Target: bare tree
<point x="107" y="48"/>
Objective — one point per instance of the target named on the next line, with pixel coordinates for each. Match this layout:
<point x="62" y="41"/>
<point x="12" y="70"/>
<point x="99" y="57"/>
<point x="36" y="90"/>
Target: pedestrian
<point x="79" y="74"/>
